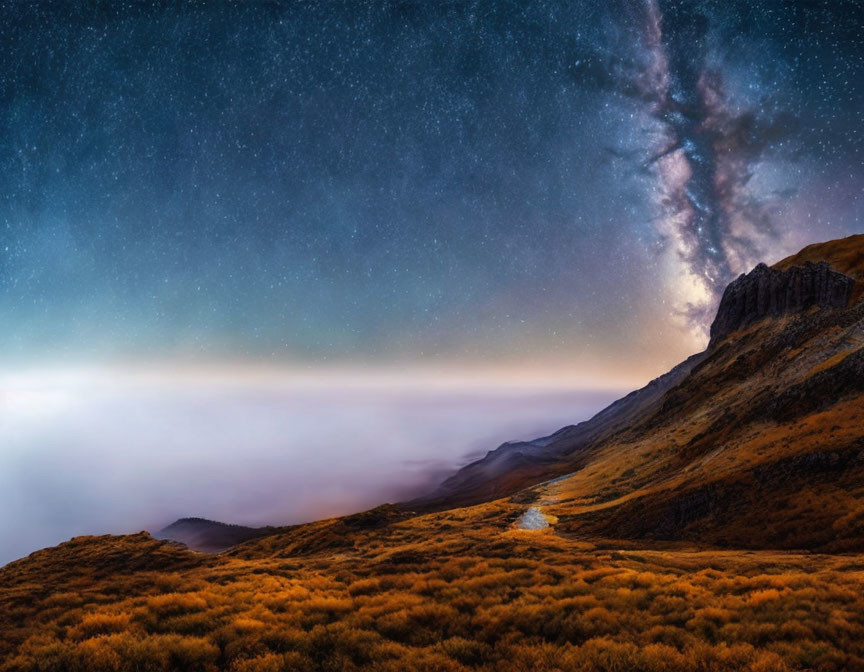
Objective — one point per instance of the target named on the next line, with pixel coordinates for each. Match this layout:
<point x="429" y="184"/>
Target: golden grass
<point x="452" y="591"/>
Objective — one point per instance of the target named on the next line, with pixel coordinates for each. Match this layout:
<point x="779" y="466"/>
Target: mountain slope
<point x="761" y="443"/>
<point x="512" y="465"/>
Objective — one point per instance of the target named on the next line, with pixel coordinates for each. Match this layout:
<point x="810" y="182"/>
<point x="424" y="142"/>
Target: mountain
<point x="209" y="536"/>
<point x="756" y="442"/>
<point x="713" y="521"/>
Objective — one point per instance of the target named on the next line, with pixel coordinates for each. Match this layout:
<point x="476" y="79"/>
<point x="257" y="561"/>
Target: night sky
<point x="537" y="183"/>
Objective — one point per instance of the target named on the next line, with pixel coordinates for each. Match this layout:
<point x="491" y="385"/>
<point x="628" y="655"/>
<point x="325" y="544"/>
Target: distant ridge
<point x="209" y="536"/>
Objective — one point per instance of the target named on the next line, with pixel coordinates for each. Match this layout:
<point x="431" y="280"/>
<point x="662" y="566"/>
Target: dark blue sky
<point x="412" y="181"/>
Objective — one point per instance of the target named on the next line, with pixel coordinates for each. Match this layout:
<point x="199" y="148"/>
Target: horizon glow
<point x="111" y="450"/>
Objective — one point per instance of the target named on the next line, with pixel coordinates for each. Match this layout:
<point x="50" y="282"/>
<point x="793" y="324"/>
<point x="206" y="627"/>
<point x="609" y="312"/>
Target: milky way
<point x="534" y="182"/>
<point x="708" y="154"/>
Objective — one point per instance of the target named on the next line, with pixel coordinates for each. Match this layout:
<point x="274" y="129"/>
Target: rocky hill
<point x="757" y="442"/>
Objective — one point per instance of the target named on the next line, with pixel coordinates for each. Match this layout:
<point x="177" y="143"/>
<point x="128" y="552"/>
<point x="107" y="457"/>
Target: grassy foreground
<point x="459" y="590"/>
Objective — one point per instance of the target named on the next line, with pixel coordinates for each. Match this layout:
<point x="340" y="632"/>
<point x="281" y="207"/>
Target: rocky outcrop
<point x="770" y="292"/>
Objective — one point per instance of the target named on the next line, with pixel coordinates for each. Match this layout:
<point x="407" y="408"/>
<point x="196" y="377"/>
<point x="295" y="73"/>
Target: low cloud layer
<point x="93" y="454"/>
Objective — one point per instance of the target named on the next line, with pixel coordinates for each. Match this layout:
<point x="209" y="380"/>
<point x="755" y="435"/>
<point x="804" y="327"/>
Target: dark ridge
<point x="770" y="292"/>
<point x="209" y="536"/>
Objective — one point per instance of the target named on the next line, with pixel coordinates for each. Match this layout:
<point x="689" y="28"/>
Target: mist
<point x="97" y="452"/>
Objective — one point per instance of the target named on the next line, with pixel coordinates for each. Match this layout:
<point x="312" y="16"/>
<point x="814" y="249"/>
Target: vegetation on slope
<point x="454" y="591"/>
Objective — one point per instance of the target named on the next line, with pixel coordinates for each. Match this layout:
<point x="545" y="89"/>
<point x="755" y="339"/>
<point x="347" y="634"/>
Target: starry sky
<point x="544" y="184"/>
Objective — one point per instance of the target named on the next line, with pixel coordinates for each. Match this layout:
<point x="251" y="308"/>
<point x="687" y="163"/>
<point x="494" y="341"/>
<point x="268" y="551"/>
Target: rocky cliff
<point x="762" y="443"/>
<point x="772" y="292"/>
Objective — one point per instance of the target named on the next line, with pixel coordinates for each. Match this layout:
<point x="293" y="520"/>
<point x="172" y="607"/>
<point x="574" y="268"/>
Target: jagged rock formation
<point x="770" y="292"/>
<point x="762" y="444"/>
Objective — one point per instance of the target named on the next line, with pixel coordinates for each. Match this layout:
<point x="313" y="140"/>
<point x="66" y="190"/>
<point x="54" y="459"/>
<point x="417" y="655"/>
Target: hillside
<point x="451" y="591"/>
<point x="758" y="442"/>
<point x="711" y="521"/>
<point x="514" y="465"/>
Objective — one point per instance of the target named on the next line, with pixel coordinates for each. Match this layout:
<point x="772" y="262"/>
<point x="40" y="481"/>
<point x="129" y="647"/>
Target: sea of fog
<point x="96" y="452"/>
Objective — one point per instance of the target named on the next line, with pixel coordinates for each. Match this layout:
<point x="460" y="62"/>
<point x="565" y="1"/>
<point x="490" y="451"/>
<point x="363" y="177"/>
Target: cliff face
<point x="762" y="444"/>
<point x="771" y="292"/>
